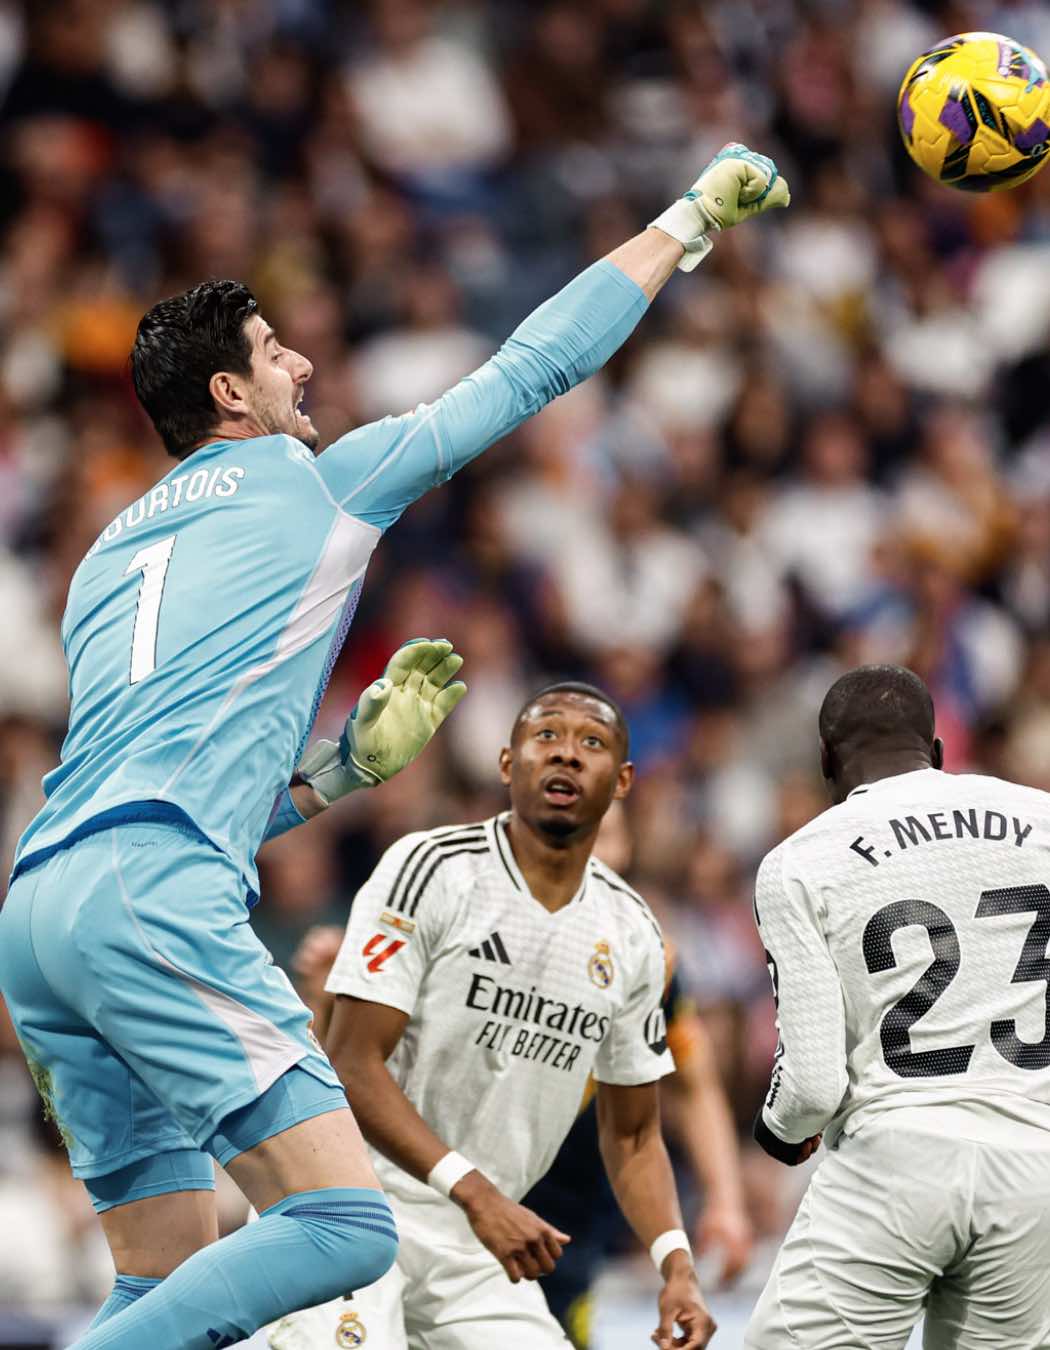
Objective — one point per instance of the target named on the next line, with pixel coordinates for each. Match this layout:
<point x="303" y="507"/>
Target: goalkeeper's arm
<point x="392" y="721"/>
<point x="376" y="471"/>
<point x="574" y="333"/>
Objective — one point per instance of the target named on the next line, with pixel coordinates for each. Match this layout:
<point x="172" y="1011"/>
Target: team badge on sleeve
<point x="350" y="1331"/>
<point x="600" y="967"/>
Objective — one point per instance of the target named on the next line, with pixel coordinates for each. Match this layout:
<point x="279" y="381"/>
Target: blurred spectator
<point x="822" y="531"/>
<point x="427" y="108"/>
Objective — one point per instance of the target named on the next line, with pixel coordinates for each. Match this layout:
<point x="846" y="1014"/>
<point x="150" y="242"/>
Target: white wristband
<point x="682" y="221"/>
<point x="448" y="1170"/>
<point x="674" y="1240"/>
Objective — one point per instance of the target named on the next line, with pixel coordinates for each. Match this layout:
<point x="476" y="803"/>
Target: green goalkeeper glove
<point x="738" y="183"/>
<point x="393" y="720"/>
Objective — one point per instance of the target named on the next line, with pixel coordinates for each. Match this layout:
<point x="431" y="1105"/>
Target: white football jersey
<point x="907" y="931"/>
<point x="510" y="1007"/>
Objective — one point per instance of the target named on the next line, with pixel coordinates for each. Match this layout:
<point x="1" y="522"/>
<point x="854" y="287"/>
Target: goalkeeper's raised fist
<point x="391" y="723"/>
<point x="738" y="183"/>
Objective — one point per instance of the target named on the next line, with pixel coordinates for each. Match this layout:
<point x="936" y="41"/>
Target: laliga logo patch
<point x="351" y="1331"/>
<point x="600" y="967"/>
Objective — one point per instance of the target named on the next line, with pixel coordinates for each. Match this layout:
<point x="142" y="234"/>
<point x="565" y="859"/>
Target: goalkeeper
<point x="200" y="632"/>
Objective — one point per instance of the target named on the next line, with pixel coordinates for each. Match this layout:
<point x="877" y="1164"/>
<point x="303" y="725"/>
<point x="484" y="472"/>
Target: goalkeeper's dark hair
<point x="180" y="344"/>
<point x="884" y="706"/>
<point x="585" y="691"/>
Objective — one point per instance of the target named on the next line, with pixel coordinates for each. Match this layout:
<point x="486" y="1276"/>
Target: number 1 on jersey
<point x="152" y="562"/>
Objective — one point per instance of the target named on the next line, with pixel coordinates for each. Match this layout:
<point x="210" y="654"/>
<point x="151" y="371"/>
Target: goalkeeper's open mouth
<point x="301" y="418"/>
<point x="561" y="790"/>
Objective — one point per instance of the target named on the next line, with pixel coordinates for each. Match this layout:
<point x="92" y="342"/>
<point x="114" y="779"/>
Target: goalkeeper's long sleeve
<point x="378" y="470"/>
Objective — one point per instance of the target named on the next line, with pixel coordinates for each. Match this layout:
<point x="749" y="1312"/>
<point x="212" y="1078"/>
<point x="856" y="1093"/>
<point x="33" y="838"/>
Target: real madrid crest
<point x="600" y="967"/>
<point x="351" y="1331"/>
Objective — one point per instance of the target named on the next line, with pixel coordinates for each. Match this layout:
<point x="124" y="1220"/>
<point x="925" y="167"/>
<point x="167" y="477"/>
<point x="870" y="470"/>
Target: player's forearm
<point x="702" y="1121"/>
<point x="560" y="344"/>
<point x="809" y="1075"/>
<point x="297" y="804"/>
<point x="307" y="802"/>
<point x="797" y="1109"/>
<point x="804" y="1094"/>
<point x="387" y="1118"/>
<point x="640" y="1174"/>
<point x="649" y="260"/>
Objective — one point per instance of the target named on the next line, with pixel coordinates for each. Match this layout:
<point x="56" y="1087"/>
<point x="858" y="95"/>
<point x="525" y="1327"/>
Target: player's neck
<point x="871" y="768"/>
<point x="552" y="872"/>
<point x="233" y="429"/>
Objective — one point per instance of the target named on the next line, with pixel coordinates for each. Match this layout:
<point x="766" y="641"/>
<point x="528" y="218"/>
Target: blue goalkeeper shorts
<point x="147" y="1008"/>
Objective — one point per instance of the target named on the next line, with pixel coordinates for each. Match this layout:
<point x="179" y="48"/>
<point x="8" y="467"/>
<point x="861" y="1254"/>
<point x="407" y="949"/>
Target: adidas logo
<point x="492" y="949"/>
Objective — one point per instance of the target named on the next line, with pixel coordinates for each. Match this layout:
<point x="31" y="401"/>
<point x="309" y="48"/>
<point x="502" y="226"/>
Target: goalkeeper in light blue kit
<point x="200" y="632"/>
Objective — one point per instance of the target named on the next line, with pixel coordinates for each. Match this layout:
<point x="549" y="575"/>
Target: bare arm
<point x="639" y="1170"/>
<point x="361" y="1038"/>
<point x="306" y="800"/>
<point x="700" y="1119"/>
<point x="649" y="260"/>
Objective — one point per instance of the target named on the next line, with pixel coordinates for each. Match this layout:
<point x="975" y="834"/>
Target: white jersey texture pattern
<point x="510" y="1007"/>
<point x="906" y="931"/>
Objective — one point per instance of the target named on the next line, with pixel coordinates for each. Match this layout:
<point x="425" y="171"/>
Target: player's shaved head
<point x="877" y="705"/>
<point x="877" y="714"/>
<point x="180" y="344"/>
<point x="582" y="690"/>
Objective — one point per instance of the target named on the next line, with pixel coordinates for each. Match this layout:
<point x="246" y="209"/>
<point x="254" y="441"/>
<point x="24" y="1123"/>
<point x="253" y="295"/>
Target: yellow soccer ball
<point x="974" y="112"/>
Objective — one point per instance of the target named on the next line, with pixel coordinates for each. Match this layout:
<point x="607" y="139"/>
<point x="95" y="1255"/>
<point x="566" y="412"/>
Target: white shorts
<point x="446" y="1292"/>
<point x="896" y="1223"/>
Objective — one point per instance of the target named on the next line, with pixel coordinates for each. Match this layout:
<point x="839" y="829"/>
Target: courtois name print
<point x="184" y="487"/>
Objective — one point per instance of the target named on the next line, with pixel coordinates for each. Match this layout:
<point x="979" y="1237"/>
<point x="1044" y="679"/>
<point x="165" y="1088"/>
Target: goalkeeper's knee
<point x="352" y="1233"/>
<point x="305" y="1250"/>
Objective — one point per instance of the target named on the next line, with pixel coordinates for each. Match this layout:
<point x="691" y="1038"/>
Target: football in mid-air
<point x="974" y="112"/>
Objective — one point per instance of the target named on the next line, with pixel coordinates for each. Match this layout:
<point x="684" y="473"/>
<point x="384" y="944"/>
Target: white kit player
<point x="906" y="930"/>
<point x="487" y="971"/>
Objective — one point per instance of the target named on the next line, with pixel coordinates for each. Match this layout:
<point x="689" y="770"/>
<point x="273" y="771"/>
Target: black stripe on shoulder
<point x="432" y="848"/>
<point x="442" y="857"/>
<point x="502" y="844"/>
<point x="621" y="888"/>
<point x="423" y="851"/>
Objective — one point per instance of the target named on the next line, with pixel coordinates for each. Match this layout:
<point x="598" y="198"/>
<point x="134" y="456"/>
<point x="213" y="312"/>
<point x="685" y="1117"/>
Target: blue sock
<point x="304" y="1250"/>
<point x="126" y="1290"/>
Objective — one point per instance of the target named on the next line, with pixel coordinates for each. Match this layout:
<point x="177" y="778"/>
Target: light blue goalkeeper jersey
<point x="202" y="626"/>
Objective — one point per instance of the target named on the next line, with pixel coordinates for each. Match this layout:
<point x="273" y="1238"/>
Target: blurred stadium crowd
<point x="830" y="445"/>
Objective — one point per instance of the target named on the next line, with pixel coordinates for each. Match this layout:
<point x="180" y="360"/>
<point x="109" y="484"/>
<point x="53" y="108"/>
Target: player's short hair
<point x="587" y="691"/>
<point x="877" y="705"/>
<point x="180" y="344"/>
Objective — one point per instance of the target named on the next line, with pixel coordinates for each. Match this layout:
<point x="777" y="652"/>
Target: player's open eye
<point x="594" y="742"/>
<point x="544" y="733"/>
